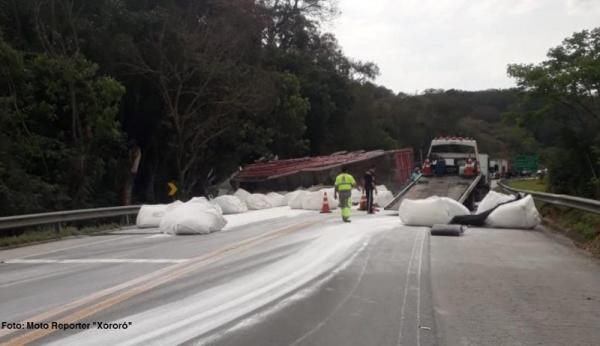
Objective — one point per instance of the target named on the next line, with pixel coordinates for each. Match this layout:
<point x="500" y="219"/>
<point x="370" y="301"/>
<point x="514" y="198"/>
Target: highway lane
<point x="26" y="289"/>
<point x="515" y="287"/>
<point x="308" y="279"/>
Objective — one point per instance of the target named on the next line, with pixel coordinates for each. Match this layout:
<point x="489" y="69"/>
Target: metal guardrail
<point x="12" y="222"/>
<point x="402" y="192"/>
<point x="586" y="204"/>
<point x="470" y="189"/>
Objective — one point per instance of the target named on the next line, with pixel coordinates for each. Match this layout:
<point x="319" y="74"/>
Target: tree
<point x="569" y="85"/>
<point x="200" y="67"/>
<point x="60" y="130"/>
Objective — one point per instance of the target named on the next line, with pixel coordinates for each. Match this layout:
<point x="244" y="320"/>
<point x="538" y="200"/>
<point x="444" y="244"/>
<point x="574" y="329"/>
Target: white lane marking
<point x="419" y="290"/>
<point x="93" y="260"/>
<point x="335" y="310"/>
<point x="402" y="309"/>
<point x="159" y="235"/>
<point x="117" y="237"/>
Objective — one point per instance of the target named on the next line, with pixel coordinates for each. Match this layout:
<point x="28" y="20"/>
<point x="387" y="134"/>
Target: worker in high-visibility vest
<point x="344" y="183"/>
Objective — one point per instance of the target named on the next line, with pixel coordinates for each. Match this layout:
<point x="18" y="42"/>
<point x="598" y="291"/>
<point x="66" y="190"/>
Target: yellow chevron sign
<point x="172" y="188"/>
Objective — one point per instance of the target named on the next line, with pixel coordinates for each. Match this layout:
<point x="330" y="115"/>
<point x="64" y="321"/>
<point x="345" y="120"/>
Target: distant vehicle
<point x="500" y="168"/>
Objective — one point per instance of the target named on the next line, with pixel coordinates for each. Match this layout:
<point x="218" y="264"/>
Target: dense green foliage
<point x="104" y="102"/>
<point x="562" y="99"/>
<point x="60" y="142"/>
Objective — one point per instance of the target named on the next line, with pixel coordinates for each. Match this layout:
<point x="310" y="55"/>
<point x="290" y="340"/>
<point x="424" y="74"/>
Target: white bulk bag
<point x="491" y="200"/>
<point x="150" y="215"/>
<point x="381" y="188"/>
<point x="174" y="205"/>
<point x="201" y="199"/>
<point x="230" y="204"/>
<point x="454" y="207"/>
<point x="330" y="194"/>
<point x="295" y="202"/>
<point x="333" y="202"/>
<point x="518" y="214"/>
<point x="314" y="200"/>
<point x="276" y="199"/>
<point x="430" y="211"/>
<point x="257" y="201"/>
<point x="242" y="194"/>
<point x="204" y="200"/>
<point x="290" y="195"/>
<point x="193" y="218"/>
<point x="383" y="198"/>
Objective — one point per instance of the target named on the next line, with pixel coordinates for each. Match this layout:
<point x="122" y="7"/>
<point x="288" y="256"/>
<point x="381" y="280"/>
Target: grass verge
<point x="582" y="227"/>
<point x="46" y="233"/>
<point x="538" y="185"/>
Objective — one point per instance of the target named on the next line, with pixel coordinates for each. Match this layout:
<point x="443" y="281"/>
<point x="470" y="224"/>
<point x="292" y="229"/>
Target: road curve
<point x="305" y="279"/>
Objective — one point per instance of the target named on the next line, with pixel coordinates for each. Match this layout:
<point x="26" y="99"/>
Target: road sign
<point x="526" y="163"/>
<point x="172" y="188"/>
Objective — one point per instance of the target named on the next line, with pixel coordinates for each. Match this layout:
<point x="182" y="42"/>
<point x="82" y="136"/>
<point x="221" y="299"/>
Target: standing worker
<point x="344" y="183"/>
<point x="369" y="188"/>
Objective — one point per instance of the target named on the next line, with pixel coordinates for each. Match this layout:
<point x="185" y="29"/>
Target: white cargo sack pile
<point x="193" y="217"/>
<point x="242" y="194"/>
<point x="204" y="200"/>
<point x="430" y="211"/>
<point x="150" y="215"/>
<point x="295" y="199"/>
<point x="230" y="204"/>
<point x="276" y="199"/>
<point x="174" y="205"/>
<point x="383" y="198"/>
<point x="518" y="214"/>
<point x="257" y="201"/>
<point x="289" y="196"/>
<point x="314" y="200"/>
<point x="493" y="199"/>
<point x="254" y="201"/>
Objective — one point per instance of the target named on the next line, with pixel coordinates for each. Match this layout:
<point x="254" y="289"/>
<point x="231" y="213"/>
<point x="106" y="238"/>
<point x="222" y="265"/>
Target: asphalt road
<point x="306" y="279"/>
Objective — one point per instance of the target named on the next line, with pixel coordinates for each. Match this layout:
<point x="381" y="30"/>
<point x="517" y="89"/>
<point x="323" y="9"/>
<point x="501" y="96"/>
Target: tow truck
<point x="453" y="168"/>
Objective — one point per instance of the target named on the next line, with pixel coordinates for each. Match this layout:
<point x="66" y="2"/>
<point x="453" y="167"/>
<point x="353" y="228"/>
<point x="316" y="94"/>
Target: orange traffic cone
<point x="363" y="202"/>
<point x="325" y="206"/>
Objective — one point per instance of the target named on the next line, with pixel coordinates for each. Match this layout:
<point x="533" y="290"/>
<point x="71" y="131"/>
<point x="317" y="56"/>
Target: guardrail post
<point x="58" y="227"/>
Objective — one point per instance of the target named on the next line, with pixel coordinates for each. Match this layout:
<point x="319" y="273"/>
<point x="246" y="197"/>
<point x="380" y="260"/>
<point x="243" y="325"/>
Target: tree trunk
<point x="135" y="155"/>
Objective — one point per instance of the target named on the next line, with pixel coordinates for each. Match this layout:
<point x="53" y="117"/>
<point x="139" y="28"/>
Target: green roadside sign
<point x="526" y="163"/>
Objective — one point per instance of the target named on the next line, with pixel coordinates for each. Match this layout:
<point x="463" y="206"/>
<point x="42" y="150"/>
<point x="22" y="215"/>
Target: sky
<point x="459" y="44"/>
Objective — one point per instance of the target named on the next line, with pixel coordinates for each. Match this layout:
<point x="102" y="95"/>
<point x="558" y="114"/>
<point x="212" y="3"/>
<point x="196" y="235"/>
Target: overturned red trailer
<point x="393" y="169"/>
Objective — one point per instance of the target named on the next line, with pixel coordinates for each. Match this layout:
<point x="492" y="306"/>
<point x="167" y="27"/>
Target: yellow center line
<point x="142" y="284"/>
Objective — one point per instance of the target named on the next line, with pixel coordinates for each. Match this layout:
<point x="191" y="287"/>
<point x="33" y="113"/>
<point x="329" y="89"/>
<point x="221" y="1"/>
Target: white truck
<point x="456" y="152"/>
<point x="454" y="168"/>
